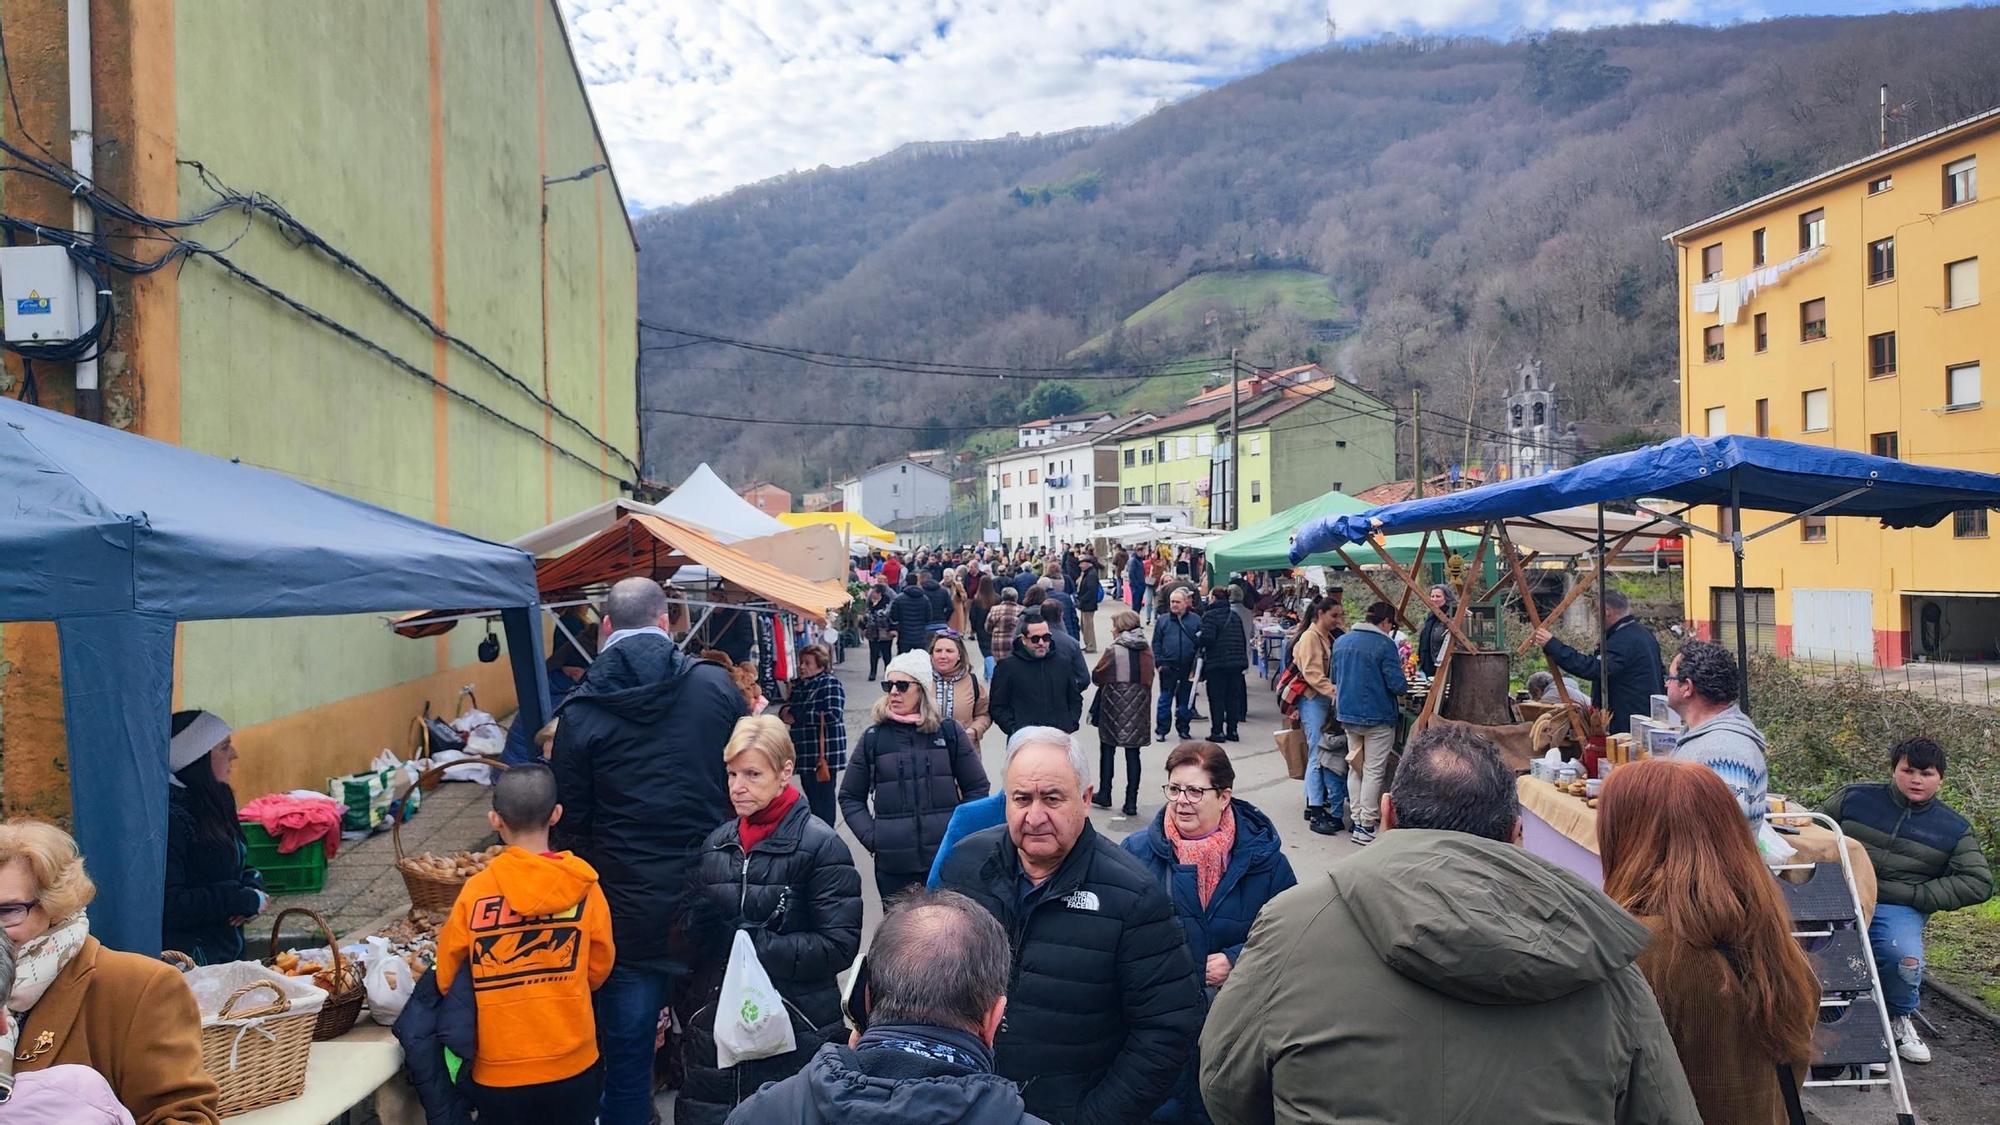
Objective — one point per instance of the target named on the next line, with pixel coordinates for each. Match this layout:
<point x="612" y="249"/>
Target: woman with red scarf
<point x="780" y="874"/>
<point x="1220" y="860"/>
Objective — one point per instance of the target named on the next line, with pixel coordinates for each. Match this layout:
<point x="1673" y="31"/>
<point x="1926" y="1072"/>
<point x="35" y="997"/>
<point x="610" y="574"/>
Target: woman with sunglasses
<point x="912" y="768"/>
<point x="1220" y="860"/>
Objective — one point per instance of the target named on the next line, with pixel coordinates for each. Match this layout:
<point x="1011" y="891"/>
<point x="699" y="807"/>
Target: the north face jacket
<point x="638" y="765"/>
<point x="1442" y="977"/>
<point x="1103" y="1003"/>
<point x="1926" y="855"/>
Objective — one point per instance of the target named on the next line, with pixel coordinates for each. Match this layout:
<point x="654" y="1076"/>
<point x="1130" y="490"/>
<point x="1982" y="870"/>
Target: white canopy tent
<point x="707" y="501"/>
<point x="576" y="528"/>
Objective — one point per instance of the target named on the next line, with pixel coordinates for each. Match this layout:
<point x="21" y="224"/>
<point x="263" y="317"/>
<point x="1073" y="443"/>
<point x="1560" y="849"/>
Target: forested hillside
<point x="1472" y="203"/>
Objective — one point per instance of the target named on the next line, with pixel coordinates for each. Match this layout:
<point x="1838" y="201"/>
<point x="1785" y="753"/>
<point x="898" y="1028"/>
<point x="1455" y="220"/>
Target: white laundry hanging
<point x="1727" y="297"/>
<point x="1704" y="295"/>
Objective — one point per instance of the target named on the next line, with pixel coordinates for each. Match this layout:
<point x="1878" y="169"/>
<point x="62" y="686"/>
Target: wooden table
<point x="1563" y="830"/>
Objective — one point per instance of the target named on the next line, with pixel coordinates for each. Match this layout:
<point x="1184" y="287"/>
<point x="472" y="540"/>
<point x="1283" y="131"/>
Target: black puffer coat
<point x="915" y="780"/>
<point x="638" y="765"/>
<point x="1224" y="648"/>
<point x="208" y="883"/>
<point x="940" y="599"/>
<point x="799" y="896"/>
<point x="1103" y="1003"/>
<point x="911" y="614"/>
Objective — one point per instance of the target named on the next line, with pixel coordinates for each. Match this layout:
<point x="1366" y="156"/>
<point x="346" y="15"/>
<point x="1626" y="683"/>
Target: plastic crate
<point x="286" y="873"/>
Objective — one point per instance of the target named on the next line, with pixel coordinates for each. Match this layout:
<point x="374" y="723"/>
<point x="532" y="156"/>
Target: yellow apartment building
<point x="1846" y="310"/>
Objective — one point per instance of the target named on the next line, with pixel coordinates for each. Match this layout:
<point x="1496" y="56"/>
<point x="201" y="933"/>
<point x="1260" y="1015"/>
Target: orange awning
<point x="656" y="546"/>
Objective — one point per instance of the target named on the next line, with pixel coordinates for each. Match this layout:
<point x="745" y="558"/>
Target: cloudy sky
<point x="699" y="96"/>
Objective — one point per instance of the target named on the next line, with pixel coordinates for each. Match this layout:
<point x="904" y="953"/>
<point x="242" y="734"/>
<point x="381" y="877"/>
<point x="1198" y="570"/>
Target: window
<point x="1969" y="523"/>
<point x="1034" y="476"/>
<point x="1131" y="496"/>
<point x="1757" y="246"/>
<point x="1812" y="229"/>
<point x="1718" y="421"/>
<point x="1161" y="449"/>
<point x="1814" y="408"/>
<point x="1253" y="445"/>
<point x="1881" y="261"/>
<point x="1812" y="319"/>
<point x="1034" y="508"/>
<point x="1086" y="480"/>
<point x="1711" y="262"/>
<point x="1130" y="456"/>
<point x="1881" y="355"/>
<point x="1183" y="449"/>
<point x="1711" y="345"/>
<point x="1760" y="617"/>
<point x="1884" y="445"/>
<point x="1763" y="417"/>
<point x="1052" y="468"/>
<point x="1961" y="181"/>
<point x="1961" y="386"/>
<point x="1204" y="444"/>
<point x="1006" y="480"/>
<point x="1145" y="494"/>
<point x="1961" y="283"/>
<point x="1337" y="488"/>
<point x="1761" y="325"/>
<point x="895" y="489"/>
<point x="1541" y="414"/>
<point x="1877" y="187"/>
<point x="1006" y="511"/>
<point x="1256" y="491"/>
<point x="1146" y="455"/>
<point x="1812" y="529"/>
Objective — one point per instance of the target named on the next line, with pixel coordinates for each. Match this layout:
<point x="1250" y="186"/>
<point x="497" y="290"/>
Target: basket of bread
<point x="434" y="879"/>
<point x="336" y="975"/>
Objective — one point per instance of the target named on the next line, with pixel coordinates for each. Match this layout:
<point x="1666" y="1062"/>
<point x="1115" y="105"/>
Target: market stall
<point x="855" y="529"/>
<point x="1267" y="544"/>
<point x="118" y="538"/>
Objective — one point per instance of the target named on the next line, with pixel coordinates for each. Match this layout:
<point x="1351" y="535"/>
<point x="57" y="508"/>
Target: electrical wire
<point x="936" y="367"/>
<point x="837" y="424"/>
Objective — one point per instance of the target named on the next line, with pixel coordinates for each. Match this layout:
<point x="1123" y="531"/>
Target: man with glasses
<point x="1035" y="685"/>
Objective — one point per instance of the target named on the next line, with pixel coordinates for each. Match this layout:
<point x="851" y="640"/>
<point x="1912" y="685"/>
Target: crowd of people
<point x="1028" y="967"/>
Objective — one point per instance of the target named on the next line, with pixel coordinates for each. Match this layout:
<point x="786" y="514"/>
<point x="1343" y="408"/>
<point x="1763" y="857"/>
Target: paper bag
<point x="1292" y="745"/>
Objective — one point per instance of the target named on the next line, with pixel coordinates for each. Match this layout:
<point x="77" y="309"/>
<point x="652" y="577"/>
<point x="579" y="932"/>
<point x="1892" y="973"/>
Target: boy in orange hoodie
<point x="537" y="932"/>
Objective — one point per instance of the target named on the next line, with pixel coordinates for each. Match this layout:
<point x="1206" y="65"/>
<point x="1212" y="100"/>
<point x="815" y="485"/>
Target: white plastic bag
<point x="750" y="1017"/>
<point x="483" y="736"/>
<point x="390" y="985"/>
<point x="1775" y="848"/>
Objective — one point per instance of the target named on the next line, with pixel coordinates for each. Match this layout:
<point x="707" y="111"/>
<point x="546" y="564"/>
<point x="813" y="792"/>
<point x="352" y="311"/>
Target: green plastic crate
<point x="302" y="872"/>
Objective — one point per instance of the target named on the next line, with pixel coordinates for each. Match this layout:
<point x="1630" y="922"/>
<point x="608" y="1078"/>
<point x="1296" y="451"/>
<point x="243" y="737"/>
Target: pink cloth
<point x="63" y="1095"/>
<point x="296" y="821"/>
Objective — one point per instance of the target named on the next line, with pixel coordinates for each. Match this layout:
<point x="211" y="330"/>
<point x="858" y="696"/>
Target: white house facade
<point x="1055" y="493"/>
<point x="897" y="490"/>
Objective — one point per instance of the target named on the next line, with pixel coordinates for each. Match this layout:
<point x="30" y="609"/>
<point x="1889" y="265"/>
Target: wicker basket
<point x="427" y="891"/>
<point x="337" y="1015"/>
<point x="259" y="1065"/>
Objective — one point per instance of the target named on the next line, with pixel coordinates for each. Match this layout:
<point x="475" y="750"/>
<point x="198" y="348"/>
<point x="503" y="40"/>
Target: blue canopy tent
<point x="116" y="538"/>
<point x="1736" y="473"/>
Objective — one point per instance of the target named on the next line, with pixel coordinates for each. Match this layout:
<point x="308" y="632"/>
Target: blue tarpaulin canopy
<point x="1768" y="474"/>
<point x="116" y="537"/>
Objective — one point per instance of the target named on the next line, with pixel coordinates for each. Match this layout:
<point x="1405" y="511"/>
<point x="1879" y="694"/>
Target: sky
<point x="696" y="97"/>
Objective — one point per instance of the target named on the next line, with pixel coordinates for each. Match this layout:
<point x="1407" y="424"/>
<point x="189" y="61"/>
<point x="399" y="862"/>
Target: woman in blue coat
<point x="1220" y="860"/>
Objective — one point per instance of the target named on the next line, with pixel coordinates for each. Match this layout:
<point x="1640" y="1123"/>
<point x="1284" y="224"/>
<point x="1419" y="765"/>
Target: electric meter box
<point x="38" y="287"/>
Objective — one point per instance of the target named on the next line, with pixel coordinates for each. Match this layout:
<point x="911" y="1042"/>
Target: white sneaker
<point x="1362" y="836"/>
<point x="1908" y="1044"/>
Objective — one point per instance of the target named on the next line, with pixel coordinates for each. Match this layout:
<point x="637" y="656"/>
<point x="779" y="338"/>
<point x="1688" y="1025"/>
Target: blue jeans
<point x="628" y="1016"/>
<point x="1898" y="933"/>
<point x="1324" y="788"/>
<point x="1176" y="699"/>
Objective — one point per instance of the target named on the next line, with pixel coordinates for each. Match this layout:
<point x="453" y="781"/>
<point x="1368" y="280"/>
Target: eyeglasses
<point x="1189" y="793"/>
<point x="897" y="687"/>
<point x="1038" y="638"/>
<point x="12" y="912"/>
<point x="1671" y="679"/>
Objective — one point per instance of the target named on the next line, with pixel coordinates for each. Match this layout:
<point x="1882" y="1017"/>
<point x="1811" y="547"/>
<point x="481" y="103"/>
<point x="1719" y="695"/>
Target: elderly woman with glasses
<point x="911" y="769"/>
<point x="130" y="1018"/>
<point x="1220" y="860"/>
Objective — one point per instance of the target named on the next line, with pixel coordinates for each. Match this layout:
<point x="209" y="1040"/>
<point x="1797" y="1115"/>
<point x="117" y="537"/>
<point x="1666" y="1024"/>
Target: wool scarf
<point x="757" y="827"/>
<point x="1208" y="855"/>
<point x="36" y="966"/>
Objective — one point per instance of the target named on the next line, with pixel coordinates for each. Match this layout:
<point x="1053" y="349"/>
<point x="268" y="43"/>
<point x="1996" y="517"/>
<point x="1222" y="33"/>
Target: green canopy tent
<point x="1267" y="544"/>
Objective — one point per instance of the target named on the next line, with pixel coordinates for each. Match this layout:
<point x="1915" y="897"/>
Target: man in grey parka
<point x="1444" y="974"/>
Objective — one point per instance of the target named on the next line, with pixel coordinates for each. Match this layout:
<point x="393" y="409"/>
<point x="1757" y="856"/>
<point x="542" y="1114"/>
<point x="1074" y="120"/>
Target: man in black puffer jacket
<point x="638" y="765"/>
<point x="1035" y="686"/>
<point x="911" y="614"/>
<point x="1104" y="1004"/>
<point x="940" y="600"/>
<point x="1225" y="655"/>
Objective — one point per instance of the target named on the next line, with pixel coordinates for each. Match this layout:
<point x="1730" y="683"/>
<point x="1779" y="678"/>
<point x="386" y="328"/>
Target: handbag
<point x="1291" y="689"/>
<point x="443" y="736"/>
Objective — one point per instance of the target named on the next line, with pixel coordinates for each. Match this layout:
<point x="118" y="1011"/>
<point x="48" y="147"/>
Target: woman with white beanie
<point x="211" y="888"/>
<point x="912" y="768"/>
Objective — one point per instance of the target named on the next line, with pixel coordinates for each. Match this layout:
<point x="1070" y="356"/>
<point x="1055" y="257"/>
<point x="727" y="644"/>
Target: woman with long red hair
<point x="1738" y="994"/>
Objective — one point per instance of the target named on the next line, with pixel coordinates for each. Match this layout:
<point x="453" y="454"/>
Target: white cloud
<point x="699" y="96"/>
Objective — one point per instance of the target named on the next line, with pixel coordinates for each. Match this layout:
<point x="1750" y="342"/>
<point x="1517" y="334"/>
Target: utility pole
<point x="1235" y="450"/>
<point x="1882" y="118"/>
<point x="1417" y="440"/>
